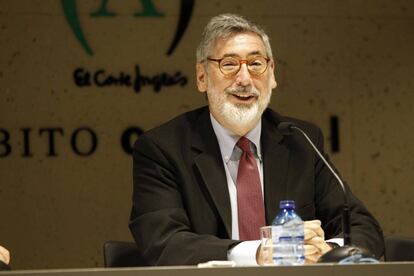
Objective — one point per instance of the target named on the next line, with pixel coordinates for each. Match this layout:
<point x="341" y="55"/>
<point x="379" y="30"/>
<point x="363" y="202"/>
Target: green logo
<point x="148" y="10"/>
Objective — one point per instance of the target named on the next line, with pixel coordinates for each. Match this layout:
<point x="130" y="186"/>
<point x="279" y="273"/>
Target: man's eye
<point x="229" y="63"/>
<point x="256" y="63"/>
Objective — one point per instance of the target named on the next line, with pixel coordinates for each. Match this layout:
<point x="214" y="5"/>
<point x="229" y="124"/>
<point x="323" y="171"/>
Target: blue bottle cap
<point x="287" y="204"/>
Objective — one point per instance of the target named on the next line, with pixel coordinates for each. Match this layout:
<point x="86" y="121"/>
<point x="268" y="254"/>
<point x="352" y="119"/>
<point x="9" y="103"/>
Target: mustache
<point x="242" y="90"/>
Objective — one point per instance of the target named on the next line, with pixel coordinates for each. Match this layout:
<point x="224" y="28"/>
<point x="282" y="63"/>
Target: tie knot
<point x="244" y="144"/>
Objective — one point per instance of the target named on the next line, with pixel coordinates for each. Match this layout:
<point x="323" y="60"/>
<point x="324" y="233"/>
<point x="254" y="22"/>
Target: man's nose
<point x="243" y="77"/>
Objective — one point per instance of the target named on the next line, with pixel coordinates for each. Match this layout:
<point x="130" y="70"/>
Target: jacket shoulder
<point x="176" y="129"/>
<point x="276" y="118"/>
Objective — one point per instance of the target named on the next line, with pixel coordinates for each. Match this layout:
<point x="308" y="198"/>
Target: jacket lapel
<point x="210" y="164"/>
<point x="275" y="164"/>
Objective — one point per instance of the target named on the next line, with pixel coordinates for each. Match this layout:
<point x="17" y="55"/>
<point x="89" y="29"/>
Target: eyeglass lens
<point x="256" y="65"/>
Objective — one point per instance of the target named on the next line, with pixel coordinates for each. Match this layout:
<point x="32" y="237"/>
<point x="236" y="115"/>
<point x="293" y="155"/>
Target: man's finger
<point x="310" y="250"/>
<point x="309" y="234"/>
<point x="319" y="243"/>
<point x="314" y="225"/>
<point x="315" y="240"/>
<point x="315" y="221"/>
<point x="311" y="259"/>
<point x="264" y="254"/>
<point x="312" y="254"/>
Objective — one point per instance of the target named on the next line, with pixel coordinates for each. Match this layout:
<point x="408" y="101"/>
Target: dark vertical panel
<point x="334" y="124"/>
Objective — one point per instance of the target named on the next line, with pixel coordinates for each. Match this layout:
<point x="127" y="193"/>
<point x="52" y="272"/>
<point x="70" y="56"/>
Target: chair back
<point x="121" y="254"/>
<point x="399" y="249"/>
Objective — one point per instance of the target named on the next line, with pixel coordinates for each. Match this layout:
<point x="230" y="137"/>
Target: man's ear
<point x="273" y="82"/>
<point x="201" y="77"/>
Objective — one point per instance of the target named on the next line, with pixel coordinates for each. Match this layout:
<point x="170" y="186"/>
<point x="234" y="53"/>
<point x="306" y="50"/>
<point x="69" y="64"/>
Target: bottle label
<point x="288" y="243"/>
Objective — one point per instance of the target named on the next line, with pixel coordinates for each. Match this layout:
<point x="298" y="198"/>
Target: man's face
<point x="240" y="99"/>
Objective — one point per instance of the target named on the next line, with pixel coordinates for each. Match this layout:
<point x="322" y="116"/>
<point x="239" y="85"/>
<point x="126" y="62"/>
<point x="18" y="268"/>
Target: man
<point x="205" y="182"/>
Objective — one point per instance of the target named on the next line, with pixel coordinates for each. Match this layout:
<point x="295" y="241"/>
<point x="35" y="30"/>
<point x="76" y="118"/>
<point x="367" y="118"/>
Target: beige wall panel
<point x="382" y="119"/>
<point x="314" y="76"/>
<point x="352" y="59"/>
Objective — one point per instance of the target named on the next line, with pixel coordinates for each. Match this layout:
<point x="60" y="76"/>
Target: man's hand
<point x="264" y="254"/>
<point x="4" y="255"/>
<point x="315" y="245"/>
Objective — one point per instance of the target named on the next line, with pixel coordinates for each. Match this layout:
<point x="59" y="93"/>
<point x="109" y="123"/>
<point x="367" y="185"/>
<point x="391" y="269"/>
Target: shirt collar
<point x="227" y="139"/>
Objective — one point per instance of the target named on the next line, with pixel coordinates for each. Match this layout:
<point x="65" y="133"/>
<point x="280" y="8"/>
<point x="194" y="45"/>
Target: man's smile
<point x="242" y="98"/>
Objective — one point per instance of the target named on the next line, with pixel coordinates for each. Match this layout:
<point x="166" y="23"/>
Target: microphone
<point x="339" y="253"/>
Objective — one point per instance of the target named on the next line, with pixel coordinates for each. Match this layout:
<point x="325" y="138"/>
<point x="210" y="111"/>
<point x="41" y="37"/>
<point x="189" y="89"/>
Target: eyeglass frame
<point x="241" y="62"/>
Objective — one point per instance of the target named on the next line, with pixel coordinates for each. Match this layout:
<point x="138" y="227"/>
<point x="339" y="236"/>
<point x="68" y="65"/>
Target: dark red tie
<point x="250" y="205"/>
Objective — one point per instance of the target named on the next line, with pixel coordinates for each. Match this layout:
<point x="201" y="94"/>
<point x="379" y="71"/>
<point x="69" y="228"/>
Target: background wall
<point x="65" y="177"/>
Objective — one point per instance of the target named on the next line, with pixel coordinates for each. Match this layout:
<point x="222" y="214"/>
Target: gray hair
<point x="224" y="26"/>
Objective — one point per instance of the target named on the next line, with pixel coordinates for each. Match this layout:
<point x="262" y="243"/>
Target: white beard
<point x="238" y="115"/>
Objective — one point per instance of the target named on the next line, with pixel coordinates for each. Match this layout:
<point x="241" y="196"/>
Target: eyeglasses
<point x="230" y="66"/>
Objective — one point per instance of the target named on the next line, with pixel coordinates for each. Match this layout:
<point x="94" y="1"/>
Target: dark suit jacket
<point x="181" y="209"/>
<point x="4" y="266"/>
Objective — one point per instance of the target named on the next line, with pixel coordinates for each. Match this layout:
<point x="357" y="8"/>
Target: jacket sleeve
<point x="159" y="222"/>
<point x="4" y="266"/>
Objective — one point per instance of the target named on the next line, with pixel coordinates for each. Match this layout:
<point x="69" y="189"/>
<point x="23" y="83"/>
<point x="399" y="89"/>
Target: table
<point x="385" y="269"/>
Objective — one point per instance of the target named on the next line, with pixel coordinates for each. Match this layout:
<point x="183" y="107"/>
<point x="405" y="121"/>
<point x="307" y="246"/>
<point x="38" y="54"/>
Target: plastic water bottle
<point x="288" y="236"/>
